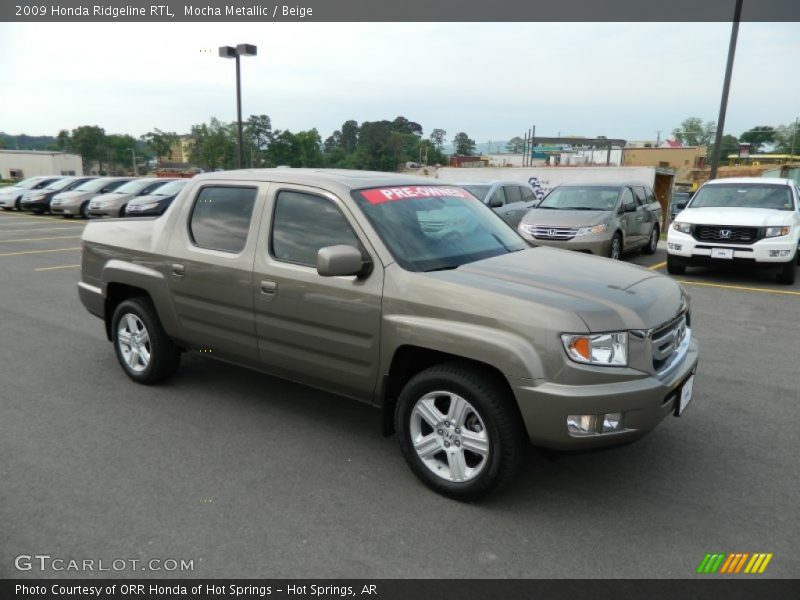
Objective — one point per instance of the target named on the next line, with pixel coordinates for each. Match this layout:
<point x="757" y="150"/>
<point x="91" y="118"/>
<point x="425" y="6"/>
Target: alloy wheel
<point x="134" y="342"/>
<point x="449" y="436"/>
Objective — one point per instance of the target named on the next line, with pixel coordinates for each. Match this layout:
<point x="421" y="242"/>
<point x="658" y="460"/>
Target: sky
<point x="490" y="80"/>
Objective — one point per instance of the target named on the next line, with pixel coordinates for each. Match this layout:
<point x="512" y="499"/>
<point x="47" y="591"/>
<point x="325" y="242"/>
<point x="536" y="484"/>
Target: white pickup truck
<point x="751" y="220"/>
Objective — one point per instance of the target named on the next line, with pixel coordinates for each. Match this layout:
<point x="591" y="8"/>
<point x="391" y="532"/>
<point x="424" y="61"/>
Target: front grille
<point x="725" y="234"/>
<point x="667" y="341"/>
<point x="546" y="232"/>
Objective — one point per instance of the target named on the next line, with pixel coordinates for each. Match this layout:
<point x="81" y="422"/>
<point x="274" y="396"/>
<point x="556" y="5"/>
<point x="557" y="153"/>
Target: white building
<point x="19" y="164"/>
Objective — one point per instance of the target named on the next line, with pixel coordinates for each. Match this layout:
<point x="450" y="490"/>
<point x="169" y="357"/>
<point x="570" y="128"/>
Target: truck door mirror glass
<point x="631" y="207"/>
<point x="339" y="261"/>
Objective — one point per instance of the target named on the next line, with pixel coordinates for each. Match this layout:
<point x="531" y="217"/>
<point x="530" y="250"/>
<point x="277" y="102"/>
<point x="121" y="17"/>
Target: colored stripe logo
<point x="734" y="563"/>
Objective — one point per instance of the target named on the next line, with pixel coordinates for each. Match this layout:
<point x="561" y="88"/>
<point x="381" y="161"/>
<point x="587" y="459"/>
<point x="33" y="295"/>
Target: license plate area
<point x="683" y="395"/>
<point x="726" y="253"/>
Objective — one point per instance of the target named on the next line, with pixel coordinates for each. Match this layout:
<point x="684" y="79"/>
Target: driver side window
<point x="627" y="198"/>
<point x="498" y="198"/>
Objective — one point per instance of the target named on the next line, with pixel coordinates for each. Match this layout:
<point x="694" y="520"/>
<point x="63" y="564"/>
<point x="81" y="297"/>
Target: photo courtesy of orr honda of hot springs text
<point x="406" y="294"/>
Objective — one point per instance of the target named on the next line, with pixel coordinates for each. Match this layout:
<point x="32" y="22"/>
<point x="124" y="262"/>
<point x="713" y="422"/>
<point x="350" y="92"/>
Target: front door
<point x="322" y="331"/>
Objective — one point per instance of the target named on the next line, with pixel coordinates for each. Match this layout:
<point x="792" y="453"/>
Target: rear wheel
<point x="459" y="431"/>
<point x="85" y="210"/>
<point x="652" y="242"/>
<point x="144" y="350"/>
<point x="122" y="210"/>
<point x="674" y="267"/>
<point x="18" y="204"/>
<point x="788" y="272"/>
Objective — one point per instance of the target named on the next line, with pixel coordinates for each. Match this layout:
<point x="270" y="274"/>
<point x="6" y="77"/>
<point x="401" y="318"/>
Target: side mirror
<point x="340" y="261"/>
<point x="629" y="207"/>
<point x="495" y="203"/>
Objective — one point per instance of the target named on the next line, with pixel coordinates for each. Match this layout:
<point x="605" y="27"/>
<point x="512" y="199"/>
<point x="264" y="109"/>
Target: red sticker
<point x="381" y="195"/>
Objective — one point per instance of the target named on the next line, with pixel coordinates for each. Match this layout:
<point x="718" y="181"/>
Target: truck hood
<point x="572" y="218"/>
<point x="753" y="217"/>
<point x="607" y="295"/>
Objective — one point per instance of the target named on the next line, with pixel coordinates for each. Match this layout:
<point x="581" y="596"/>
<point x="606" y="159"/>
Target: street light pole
<point x="723" y="106"/>
<point x="231" y="52"/>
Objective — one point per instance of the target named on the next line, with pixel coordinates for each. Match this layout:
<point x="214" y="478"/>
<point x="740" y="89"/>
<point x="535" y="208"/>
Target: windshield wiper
<point x="447" y="268"/>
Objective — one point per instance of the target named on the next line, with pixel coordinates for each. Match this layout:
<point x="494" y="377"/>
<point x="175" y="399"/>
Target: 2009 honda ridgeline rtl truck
<point x="405" y="294"/>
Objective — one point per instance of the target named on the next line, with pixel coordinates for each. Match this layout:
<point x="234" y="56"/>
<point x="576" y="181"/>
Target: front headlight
<point x="606" y="349"/>
<point x="141" y="207"/>
<point x="525" y="228"/>
<point x="592" y="230"/>
<point x="777" y="231"/>
<point x="682" y="227"/>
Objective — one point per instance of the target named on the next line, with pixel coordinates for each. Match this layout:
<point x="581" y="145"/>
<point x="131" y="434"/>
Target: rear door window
<point x="220" y="218"/>
<point x="527" y="194"/>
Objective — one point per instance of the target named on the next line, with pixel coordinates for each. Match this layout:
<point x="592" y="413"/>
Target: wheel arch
<point x="409" y="360"/>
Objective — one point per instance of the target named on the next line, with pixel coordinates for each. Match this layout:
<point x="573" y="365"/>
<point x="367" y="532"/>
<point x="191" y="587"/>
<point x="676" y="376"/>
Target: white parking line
<point x="58" y="267"/>
<point x="40" y="239"/>
<point x="60" y="228"/>
<point x="38" y="251"/>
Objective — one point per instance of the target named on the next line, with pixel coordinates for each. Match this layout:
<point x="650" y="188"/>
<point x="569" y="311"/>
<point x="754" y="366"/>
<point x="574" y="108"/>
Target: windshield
<point x="132" y="187"/>
<point x="27" y="183"/>
<point x="479" y="191"/>
<point x="749" y="195"/>
<point x="91" y="185"/>
<point x="60" y="184"/>
<point x="590" y="197"/>
<point x="170" y="188"/>
<point x="431" y="228"/>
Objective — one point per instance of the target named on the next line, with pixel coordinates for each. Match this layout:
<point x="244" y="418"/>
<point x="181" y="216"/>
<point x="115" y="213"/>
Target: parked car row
<point x="606" y="219"/>
<point x="86" y="197"/>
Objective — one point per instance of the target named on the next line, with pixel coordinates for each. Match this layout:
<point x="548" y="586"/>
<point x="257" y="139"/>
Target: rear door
<point x="210" y="268"/>
<point x="645" y="217"/>
<point x="323" y="331"/>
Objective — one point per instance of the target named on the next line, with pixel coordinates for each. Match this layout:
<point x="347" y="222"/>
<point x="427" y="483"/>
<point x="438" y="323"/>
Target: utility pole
<point x="524" y="149"/>
<point x="723" y="105"/>
<point x="133" y="150"/>
<point x="794" y="135"/>
<point x="533" y="135"/>
<point x="658" y="138"/>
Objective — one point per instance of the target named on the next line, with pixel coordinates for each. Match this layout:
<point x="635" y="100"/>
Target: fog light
<point x="674" y="246"/>
<point x="612" y="422"/>
<point x="582" y="424"/>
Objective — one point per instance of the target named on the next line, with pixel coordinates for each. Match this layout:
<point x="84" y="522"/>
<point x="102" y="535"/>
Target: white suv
<point x="747" y="219"/>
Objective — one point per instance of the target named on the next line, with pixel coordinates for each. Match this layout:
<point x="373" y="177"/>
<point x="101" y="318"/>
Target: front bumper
<point x="644" y="402"/>
<point x="65" y="207"/>
<point x="43" y="204"/>
<point x="8" y="201"/>
<point x="690" y="251"/>
<point x="592" y="244"/>
<point x="103" y="211"/>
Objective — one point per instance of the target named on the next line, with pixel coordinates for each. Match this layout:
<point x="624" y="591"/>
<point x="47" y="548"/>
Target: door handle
<point x="178" y="270"/>
<point x="269" y="287"/>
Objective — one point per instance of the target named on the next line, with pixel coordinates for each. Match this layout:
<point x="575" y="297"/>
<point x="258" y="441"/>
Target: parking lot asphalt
<point x="250" y="476"/>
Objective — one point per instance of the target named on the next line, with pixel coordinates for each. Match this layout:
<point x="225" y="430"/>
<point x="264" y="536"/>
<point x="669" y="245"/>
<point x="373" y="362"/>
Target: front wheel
<point x="652" y="242"/>
<point x="459" y="431"/>
<point x="788" y="272"/>
<point x="615" y="250"/>
<point x="143" y="348"/>
<point x="674" y="267"/>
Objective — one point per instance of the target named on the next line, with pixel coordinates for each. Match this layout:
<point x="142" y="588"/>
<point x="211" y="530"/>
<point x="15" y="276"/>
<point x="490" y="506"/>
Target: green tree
<point x="729" y="145"/>
<point x="257" y="134"/>
<point x="515" y="145"/>
<point x="350" y="133"/>
<point x="464" y="146"/>
<point x="214" y="145"/>
<point x="120" y="149"/>
<point x="63" y="141"/>
<point x="693" y="132"/>
<point x="160" y="142"/>
<point x="403" y="125"/>
<point x="90" y="142"/>
<point x="787" y="138"/>
<point x="437" y="137"/>
<point x="758" y="136"/>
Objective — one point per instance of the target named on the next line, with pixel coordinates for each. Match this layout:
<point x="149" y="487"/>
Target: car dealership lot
<point x="251" y="476"/>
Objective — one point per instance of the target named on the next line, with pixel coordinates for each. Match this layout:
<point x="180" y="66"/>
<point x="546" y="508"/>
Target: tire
<point x="122" y="209"/>
<point x="18" y="204"/>
<point x="674" y="267"/>
<point x="615" y="249"/>
<point x="85" y="210"/>
<point x="155" y="357"/>
<point x="7" y="208"/>
<point x="652" y="241"/>
<point x="483" y="411"/>
<point x="788" y="272"/>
